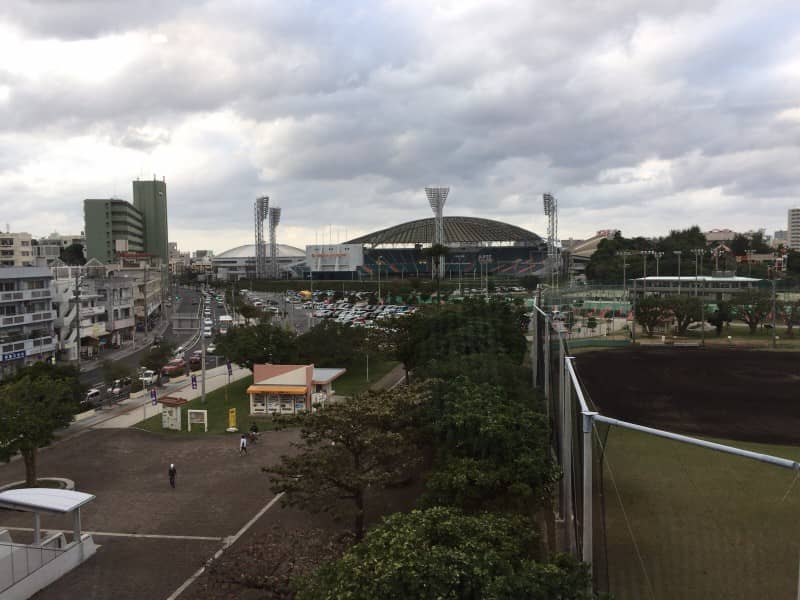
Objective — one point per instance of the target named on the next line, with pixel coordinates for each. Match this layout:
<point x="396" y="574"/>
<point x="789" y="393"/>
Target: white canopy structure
<point x="27" y="568"/>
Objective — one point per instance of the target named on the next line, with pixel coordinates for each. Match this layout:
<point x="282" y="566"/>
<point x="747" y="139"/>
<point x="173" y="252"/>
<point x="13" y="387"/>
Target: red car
<point x="174" y="367"/>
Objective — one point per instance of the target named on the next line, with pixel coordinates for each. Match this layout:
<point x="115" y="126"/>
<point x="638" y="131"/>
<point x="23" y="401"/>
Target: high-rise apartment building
<point x="150" y="198"/>
<point x="793" y="229"/>
<point x="112" y="226"/>
<point x="16" y="250"/>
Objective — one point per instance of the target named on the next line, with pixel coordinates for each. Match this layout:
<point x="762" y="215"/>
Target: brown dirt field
<point x="734" y="394"/>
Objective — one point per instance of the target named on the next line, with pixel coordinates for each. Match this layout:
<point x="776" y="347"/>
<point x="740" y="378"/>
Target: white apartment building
<point x="26" y="318"/>
<point x="50" y="247"/>
<point x="16" y="250"/>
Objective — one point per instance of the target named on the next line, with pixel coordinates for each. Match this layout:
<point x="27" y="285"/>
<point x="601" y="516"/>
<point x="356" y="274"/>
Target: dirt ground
<point x="217" y="493"/>
<point x="734" y="394"/>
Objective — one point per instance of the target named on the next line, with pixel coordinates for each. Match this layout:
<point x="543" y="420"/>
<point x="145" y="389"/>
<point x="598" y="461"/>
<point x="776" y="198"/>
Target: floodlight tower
<point x="437" y="196"/>
<point x="261" y="210"/>
<point x="274" y="219"/>
<point x="551" y="212"/>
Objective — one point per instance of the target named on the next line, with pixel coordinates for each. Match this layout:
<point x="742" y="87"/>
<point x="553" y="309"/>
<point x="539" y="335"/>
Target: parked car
<point x="148" y="377"/>
<point x="116" y="387"/>
<point x="211" y="349"/>
<point x="92" y="399"/>
<point x="174" y="367"/>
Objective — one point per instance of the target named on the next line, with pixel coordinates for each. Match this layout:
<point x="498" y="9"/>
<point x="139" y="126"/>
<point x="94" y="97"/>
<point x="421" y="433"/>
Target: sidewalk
<point x="142" y="341"/>
<point x="139" y="409"/>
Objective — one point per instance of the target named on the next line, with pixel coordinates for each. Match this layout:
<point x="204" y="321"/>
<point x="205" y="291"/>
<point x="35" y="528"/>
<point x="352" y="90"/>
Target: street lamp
<point x="658" y="256"/>
<point x="645" y="254"/>
<point x="379" y="262"/>
<point x="749" y="252"/>
<point x="624" y="254"/>
<point x="678" y="253"/>
<point x="460" y="258"/>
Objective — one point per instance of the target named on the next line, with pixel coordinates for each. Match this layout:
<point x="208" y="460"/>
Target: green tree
<point x="529" y="282"/>
<point x="650" y="313"/>
<point x="790" y="311"/>
<point x="685" y="309"/>
<point x="591" y="323"/>
<point x="331" y="344"/>
<point x="443" y="554"/>
<point x="493" y="451"/>
<point x="257" y="344"/>
<point x="31" y="410"/>
<point x="347" y="448"/>
<point x="73" y="254"/>
<point x="752" y="307"/>
<point x="721" y="316"/>
<point x="435" y="252"/>
<point x="157" y="357"/>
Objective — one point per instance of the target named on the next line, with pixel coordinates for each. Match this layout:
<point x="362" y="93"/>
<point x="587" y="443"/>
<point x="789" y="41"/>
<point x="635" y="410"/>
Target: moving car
<point x="174" y="367"/>
<point x="211" y="349"/>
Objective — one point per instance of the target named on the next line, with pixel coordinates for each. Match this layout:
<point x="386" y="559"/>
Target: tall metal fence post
<point x="547" y="373"/>
<point x="587" y="551"/>
<point x="566" y="449"/>
<point x="535" y="346"/>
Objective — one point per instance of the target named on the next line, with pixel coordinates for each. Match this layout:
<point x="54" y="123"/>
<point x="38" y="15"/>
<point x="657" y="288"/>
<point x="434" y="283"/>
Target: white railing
<point x="18" y="561"/>
<point x="24" y="319"/>
<point x="18" y="295"/>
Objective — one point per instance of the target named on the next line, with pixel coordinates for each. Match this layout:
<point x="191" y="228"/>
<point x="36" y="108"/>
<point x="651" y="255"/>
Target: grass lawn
<point x="352" y="382"/>
<point x="708" y="525"/>
<point x="355" y="380"/>
<point x="218" y="412"/>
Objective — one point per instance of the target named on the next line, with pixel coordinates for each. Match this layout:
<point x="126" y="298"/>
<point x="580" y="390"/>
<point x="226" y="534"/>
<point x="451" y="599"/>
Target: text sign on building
<point x="13" y="355"/>
<point x="335" y="257"/>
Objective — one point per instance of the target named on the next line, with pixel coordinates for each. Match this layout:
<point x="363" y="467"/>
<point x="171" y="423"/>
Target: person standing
<point x="172" y="473"/>
<point x="243" y="445"/>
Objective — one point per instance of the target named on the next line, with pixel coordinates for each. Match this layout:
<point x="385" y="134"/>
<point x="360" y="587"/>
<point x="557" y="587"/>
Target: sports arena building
<point x="475" y="246"/>
<point x="240" y="262"/>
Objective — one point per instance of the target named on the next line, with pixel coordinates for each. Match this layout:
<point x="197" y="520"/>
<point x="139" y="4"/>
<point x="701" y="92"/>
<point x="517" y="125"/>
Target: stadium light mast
<point x="678" y="253"/>
<point x="260" y="214"/>
<point x="551" y="212"/>
<point x="437" y="196"/>
<point x="274" y="220"/>
<point x="624" y="254"/>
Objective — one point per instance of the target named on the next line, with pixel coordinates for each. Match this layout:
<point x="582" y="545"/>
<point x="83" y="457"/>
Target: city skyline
<point x="644" y="120"/>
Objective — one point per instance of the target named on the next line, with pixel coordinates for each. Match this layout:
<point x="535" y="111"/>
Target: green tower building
<point x="112" y="225"/>
<point x="150" y="198"/>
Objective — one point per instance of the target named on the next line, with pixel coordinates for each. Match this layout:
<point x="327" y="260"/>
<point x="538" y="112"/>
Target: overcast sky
<point x="686" y="112"/>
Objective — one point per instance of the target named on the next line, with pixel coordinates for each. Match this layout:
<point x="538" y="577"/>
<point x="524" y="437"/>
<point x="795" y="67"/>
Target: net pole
<point x="588" y="552"/>
<point x="565" y="395"/>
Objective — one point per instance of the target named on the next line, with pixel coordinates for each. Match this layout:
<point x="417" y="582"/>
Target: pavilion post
<point x="37" y="529"/>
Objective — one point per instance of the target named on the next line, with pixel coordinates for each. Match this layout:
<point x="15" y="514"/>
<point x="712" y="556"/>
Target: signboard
<point x="198" y="417"/>
<point x="232" y="417"/>
<point x="335" y="257"/>
<point x="230" y="369"/>
<point x="194" y="382"/>
<point x="153" y="397"/>
<point x="13" y="355"/>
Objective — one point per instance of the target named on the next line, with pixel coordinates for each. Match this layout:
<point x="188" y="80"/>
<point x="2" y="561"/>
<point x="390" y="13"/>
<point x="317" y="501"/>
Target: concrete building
<point x="106" y="308"/>
<point x="240" y="263"/>
<point x="779" y="237"/>
<point x="793" y="229"/>
<point x="26" y="317"/>
<point x="112" y="226"/>
<point x="150" y="198"/>
<point x="151" y="284"/>
<point x="49" y="248"/>
<point x="290" y="389"/>
<point x="715" y="288"/>
<point x="16" y="250"/>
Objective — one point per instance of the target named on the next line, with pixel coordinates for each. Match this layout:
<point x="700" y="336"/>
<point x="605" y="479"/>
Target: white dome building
<point x="240" y="262"/>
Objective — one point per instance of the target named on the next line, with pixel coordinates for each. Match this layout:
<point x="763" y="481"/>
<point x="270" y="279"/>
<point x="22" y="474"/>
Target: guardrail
<point x="18" y="561"/>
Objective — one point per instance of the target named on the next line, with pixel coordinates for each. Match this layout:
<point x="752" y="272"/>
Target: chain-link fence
<point x="660" y="514"/>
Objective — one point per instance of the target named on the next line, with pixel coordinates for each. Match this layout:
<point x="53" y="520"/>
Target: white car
<point x="207" y="333"/>
<point x="211" y="349"/>
<point x="208" y="322"/>
<point x="149" y="377"/>
<point x="179" y="351"/>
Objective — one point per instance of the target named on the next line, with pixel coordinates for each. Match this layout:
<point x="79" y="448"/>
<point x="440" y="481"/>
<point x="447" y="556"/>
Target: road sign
<point x="230" y="368"/>
<point x="153" y="397"/>
<point x="194" y="382"/>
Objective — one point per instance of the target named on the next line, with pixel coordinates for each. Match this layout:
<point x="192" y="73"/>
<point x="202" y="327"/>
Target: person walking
<point x="172" y="473"/>
<point x="243" y="445"/>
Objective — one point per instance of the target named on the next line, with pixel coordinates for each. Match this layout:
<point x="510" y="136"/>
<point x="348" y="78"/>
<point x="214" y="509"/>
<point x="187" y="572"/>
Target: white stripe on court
<point x="226" y="544"/>
<point x="156" y="536"/>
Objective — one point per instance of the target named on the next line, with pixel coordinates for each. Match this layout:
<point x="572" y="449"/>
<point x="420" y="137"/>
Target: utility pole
<point x="145" y="301"/>
<point x="78" y="312"/>
<point x="678" y="254"/>
<point x="203" y="367"/>
<point x="774" y="337"/>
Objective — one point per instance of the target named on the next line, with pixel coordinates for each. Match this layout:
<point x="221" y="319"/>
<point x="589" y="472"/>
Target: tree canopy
<point x="442" y="553"/>
<point x="257" y="344"/>
<point x="31" y="409"/>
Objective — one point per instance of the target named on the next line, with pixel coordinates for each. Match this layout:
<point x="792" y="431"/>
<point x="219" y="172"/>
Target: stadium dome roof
<point x="249" y="251"/>
<point x="456" y="229"/>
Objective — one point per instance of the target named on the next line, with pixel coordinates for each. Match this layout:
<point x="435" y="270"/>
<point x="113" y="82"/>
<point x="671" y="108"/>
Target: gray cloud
<point x="343" y="112"/>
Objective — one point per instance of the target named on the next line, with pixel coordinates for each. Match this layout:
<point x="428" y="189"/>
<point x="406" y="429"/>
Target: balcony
<point x="118" y="324"/>
<point x="27" y="318"/>
<point x="16" y="296"/>
<point x="29" y="347"/>
<point x="92" y="311"/>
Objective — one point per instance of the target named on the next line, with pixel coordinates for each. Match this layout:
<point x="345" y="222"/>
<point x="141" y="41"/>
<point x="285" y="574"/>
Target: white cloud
<point x="640" y="117"/>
